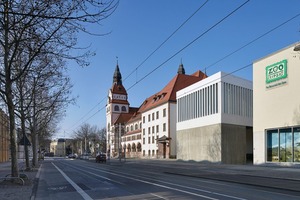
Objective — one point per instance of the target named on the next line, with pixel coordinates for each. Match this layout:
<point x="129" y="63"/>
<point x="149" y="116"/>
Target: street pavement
<point x="283" y="177"/>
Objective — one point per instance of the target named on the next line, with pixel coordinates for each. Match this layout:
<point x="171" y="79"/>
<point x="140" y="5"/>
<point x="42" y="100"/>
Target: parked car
<point x="72" y="156"/>
<point x="101" y="158"/>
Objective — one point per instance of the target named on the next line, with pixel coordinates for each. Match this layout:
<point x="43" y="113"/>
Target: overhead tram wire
<point x="201" y="35"/>
<point x="166" y="40"/>
<point x="194" y="13"/>
<point x="190" y="43"/>
<point x="252" y="41"/>
<point x="88" y="113"/>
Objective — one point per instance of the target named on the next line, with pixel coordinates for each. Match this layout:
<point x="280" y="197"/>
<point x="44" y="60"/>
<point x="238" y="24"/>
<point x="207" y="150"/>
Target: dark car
<point x="101" y="158"/>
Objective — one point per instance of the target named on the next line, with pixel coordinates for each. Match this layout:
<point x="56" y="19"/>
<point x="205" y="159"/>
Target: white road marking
<point x="77" y="188"/>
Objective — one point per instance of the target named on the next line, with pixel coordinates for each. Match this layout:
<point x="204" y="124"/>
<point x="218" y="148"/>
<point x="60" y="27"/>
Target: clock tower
<point x="117" y="104"/>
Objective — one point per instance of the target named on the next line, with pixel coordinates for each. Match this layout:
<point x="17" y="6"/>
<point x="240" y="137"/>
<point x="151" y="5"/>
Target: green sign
<point x="276" y="71"/>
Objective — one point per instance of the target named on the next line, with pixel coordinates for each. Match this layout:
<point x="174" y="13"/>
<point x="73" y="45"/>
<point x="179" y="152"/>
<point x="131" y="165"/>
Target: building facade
<point x="149" y="130"/>
<point x="276" y="125"/>
<point x="214" y="120"/>
<point x="4" y="137"/>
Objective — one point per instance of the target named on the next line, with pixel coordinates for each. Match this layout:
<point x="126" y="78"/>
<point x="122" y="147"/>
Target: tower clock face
<point x="119" y="97"/>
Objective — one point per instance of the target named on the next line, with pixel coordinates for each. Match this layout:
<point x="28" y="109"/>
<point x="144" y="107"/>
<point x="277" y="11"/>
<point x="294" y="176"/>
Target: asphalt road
<point x="80" y="179"/>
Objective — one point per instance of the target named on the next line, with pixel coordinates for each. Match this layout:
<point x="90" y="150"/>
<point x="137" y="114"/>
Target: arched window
<point x="124" y="108"/>
<point x="141" y="125"/>
<point x="127" y="129"/>
<point x="131" y="128"/>
<point x="139" y="147"/>
<point x="136" y="127"/>
<point x="117" y="108"/>
<point x="133" y="147"/>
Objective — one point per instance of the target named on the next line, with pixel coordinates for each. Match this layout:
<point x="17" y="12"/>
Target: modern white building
<point x="276" y="119"/>
<point x="214" y="120"/>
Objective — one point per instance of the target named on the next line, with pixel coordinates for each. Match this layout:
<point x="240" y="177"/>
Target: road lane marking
<point x="182" y="186"/>
<point x="77" y="188"/>
<point x="158" y="185"/>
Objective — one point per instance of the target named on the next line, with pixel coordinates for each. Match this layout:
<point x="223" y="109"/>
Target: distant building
<point x="60" y="147"/>
<point x="276" y="120"/>
<point x="214" y="120"/>
<point x="4" y="137"/>
<point x="149" y="130"/>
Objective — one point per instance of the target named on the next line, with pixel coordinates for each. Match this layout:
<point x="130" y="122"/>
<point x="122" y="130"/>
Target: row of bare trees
<point x="37" y="38"/>
<point x="89" y="139"/>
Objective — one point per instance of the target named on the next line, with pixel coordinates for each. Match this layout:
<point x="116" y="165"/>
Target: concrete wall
<point x="224" y="143"/>
<point x="233" y="144"/>
<point x="200" y="144"/>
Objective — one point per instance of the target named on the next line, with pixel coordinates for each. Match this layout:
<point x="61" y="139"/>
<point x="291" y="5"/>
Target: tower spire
<point x="181" y="69"/>
<point x="117" y="76"/>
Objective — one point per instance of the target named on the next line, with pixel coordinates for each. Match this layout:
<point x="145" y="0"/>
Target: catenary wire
<point x="252" y="41"/>
<point x="190" y="43"/>
<point x="173" y="33"/>
<point x="166" y="40"/>
<point x="201" y="35"/>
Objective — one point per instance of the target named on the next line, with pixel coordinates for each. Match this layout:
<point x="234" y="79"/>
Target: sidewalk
<point x="10" y="190"/>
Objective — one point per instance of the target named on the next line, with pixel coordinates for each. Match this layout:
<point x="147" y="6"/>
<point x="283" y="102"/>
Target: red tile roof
<point x="125" y="117"/>
<point x="168" y="93"/>
<point x="118" y="89"/>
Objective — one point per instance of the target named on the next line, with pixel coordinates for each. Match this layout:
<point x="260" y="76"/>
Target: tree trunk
<point x="9" y="98"/>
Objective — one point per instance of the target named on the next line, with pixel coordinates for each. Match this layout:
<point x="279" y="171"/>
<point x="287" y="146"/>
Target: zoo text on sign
<point x="276" y="71"/>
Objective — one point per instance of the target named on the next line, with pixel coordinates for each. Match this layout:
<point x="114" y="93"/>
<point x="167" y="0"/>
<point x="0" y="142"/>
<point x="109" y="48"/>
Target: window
<point x="124" y="108"/>
<point x="152" y="152"/>
<point x="157" y="114"/>
<point x="153" y="128"/>
<point x="140" y="125"/>
<point x="153" y="140"/>
<point x="149" y="130"/>
<point x="164" y="127"/>
<point x="127" y="129"/>
<point x="144" y="131"/>
<point x="144" y="119"/>
<point x="157" y="128"/>
<point x="143" y="140"/>
<point x="149" y="140"/>
<point x="149" y="153"/>
<point x="149" y="118"/>
<point x="152" y="116"/>
<point x="117" y="108"/>
<point x="164" y="112"/>
<point x="296" y="144"/>
<point x="136" y="127"/>
<point x="143" y="152"/>
<point x="131" y="128"/>
<point x="283" y="145"/>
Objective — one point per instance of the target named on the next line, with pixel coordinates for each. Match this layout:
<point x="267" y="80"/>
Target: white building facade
<point x="276" y="125"/>
<point x="214" y="120"/>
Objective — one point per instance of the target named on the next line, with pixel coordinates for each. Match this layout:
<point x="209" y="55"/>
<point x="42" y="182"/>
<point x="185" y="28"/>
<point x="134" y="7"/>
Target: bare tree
<point x="33" y="28"/>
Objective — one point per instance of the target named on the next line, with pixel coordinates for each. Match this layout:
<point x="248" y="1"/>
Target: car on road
<point x="72" y="156"/>
<point x="101" y="157"/>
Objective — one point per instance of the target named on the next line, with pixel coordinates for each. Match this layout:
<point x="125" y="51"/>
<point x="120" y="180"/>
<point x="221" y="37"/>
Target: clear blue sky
<point x="139" y="27"/>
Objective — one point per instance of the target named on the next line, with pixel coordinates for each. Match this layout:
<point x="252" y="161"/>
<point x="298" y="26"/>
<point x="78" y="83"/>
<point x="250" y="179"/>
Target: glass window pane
<point x="272" y="146"/>
<point x="297" y="144"/>
<point x="286" y="145"/>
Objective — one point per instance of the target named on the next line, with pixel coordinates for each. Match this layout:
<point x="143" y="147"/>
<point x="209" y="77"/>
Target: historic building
<point x="214" y="120"/>
<point x="276" y="105"/>
<point x="4" y="137"/>
<point x="149" y="130"/>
